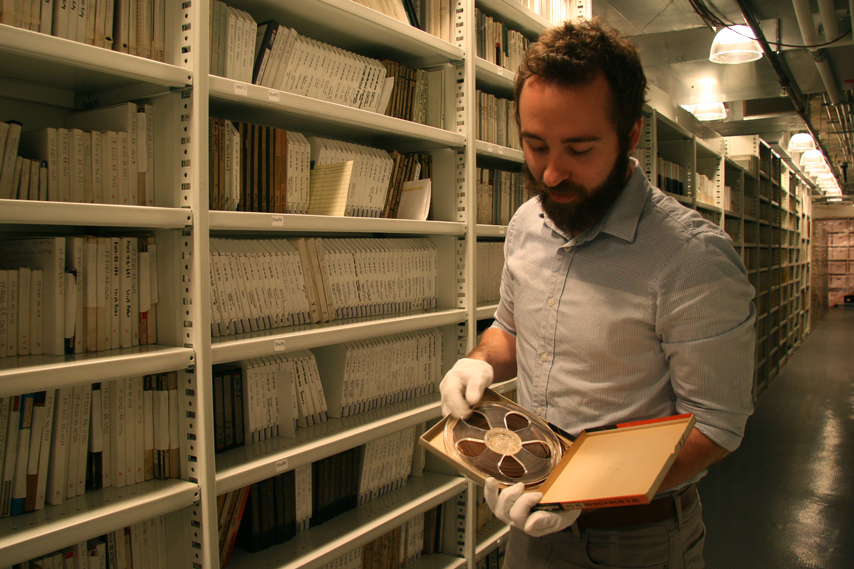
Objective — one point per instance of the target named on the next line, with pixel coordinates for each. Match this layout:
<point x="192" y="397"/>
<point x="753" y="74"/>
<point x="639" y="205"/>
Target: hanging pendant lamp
<point x="735" y="44"/>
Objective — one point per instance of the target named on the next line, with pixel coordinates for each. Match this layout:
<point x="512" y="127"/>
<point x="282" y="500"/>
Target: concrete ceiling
<point x="675" y="42"/>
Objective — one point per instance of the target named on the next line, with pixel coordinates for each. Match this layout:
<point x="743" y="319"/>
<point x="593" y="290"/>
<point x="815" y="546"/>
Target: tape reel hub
<point x="502" y="441"/>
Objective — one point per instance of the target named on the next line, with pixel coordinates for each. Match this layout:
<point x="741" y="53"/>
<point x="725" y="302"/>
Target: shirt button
<point x="551" y="302"/>
<point x="544" y="357"/>
<point x="539" y="411"/>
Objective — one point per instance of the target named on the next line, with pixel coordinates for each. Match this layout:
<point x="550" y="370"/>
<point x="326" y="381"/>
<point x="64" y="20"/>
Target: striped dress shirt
<point x="647" y="314"/>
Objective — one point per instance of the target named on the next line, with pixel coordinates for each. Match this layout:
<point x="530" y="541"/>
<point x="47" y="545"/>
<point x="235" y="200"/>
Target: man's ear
<point x="634" y="135"/>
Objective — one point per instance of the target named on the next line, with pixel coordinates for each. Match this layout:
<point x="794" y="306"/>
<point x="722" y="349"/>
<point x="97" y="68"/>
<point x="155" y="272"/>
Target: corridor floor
<point x="785" y="498"/>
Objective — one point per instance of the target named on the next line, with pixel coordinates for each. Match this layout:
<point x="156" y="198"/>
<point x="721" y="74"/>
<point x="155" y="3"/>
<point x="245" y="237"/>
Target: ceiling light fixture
<point x="811" y="157"/>
<point x="800" y="142"/>
<point x="708" y="111"/>
<point x="735" y="44"/>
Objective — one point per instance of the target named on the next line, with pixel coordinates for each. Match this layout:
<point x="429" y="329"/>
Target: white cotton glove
<point x="463" y="386"/>
<point x="513" y="507"/>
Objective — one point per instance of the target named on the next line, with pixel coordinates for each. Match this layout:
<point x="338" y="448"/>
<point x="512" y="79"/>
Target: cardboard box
<point x="748" y="162"/>
<point x="613" y="466"/>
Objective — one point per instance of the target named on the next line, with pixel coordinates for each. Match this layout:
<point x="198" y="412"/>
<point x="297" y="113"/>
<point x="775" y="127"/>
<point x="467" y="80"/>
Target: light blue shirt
<point x="647" y="314"/>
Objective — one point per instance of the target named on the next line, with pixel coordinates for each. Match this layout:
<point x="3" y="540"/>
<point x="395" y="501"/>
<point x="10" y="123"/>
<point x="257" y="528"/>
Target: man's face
<point x="576" y="162"/>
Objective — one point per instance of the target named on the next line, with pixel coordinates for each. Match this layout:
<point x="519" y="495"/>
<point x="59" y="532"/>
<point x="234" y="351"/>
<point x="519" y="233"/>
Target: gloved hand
<point x="513" y="507"/>
<point x="463" y="386"/>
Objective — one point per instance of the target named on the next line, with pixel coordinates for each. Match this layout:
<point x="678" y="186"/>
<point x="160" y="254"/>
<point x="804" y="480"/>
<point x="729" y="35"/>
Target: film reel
<point x="506" y="443"/>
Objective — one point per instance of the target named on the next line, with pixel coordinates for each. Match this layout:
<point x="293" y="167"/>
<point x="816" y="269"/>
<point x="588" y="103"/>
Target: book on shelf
<point x="385" y="464"/>
<point x="398" y="547"/>
<point x="283" y="59"/>
<point x="76" y="288"/>
<point x="74" y="257"/>
<point x="495" y="120"/>
<point x="266" y="397"/>
<point x="59" y="443"/>
<point x="490" y="256"/>
<point x="329" y="188"/>
<point x="4" y="312"/>
<point x="275" y="511"/>
<point x="233" y="40"/>
<point x="40" y="435"/>
<point x="393" y="8"/>
<point x="233" y="510"/>
<point x="85" y="166"/>
<point x="18" y="493"/>
<point x="278" y="508"/>
<point x="499" y="195"/>
<point x="360" y="376"/>
<point x="48" y="256"/>
<point x="138" y="24"/>
<point x="135" y="121"/>
<point x="265" y="169"/>
<point x="10" y="136"/>
<point x="13" y="422"/>
<point x="141" y="545"/>
<point x="498" y="43"/>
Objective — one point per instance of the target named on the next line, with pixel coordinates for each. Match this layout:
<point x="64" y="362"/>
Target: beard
<point x="588" y="207"/>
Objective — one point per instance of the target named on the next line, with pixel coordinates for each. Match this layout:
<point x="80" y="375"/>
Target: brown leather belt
<point x="626" y="516"/>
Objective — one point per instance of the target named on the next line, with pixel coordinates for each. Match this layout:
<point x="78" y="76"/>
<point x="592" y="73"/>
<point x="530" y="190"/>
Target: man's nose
<point x="557" y="170"/>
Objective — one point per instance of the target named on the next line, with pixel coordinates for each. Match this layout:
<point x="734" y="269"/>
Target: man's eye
<point x="576" y="152"/>
<point x="539" y="149"/>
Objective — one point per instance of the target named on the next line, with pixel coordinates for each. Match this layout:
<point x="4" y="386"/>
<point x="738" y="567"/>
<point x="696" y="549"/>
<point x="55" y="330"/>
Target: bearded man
<point x="617" y="304"/>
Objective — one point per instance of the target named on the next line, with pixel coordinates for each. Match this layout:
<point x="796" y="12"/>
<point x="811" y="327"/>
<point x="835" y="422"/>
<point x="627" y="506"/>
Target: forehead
<point x="550" y="107"/>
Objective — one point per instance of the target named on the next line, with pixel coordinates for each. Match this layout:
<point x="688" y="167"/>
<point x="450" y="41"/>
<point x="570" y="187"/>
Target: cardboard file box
<point x="613" y="466"/>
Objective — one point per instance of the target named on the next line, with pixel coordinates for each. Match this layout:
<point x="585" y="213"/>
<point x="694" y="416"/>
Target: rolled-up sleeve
<point x="705" y="317"/>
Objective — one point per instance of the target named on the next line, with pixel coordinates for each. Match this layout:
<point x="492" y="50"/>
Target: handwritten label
<point x="281" y="465"/>
<point x="273" y="96"/>
<point x="501" y="150"/>
<point x="489" y="148"/>
<point x="501" y="72"/>
<point x="241" y="89"/>
<point x="278" y="220"/>
<point x="279" y="345"/>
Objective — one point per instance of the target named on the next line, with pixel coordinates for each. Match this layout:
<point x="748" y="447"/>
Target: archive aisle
<point x="194" y="234"/>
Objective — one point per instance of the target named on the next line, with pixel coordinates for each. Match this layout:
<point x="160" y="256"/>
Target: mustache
<point x="565" y="188"/>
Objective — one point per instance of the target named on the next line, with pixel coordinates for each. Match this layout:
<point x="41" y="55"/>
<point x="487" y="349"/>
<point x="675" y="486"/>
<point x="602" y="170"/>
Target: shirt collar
<point x="622" y="219"/>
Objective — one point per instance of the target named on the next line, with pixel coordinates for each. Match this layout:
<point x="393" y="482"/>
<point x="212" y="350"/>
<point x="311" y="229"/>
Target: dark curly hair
<point x="575" y="52"/>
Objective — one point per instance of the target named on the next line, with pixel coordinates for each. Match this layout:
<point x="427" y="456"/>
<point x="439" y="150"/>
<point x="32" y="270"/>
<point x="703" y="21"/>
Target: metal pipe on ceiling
<point x="827" y="10"/>
<point x="789" y="85"/>
<point x="803" y="13"/>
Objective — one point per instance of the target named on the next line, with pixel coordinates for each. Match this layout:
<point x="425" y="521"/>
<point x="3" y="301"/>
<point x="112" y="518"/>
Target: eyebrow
<point x="568" y="140"/>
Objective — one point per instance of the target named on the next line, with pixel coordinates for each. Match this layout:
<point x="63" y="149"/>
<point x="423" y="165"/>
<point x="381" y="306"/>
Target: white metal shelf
<point x="491" y="230"/>
<point x="351" y="26"/>
<point x="55" y="62"/>
<point x="90" y="515"/>
<point x="303" y="337"/>
<point x="706" y="149"/>
<point x="490" y="150"/>
<point x="28" y="374"/>
<point x="490" y="537"/>
<point x="254" y="103"/>
<point x="252" y="222"/>
<point x="494" y="77"/>
<point x="523" y="19"/>
<point x="25" y="212"/>
<point x="324" y="543"/>
<point x="438" y="561"/>
<point x="487" y="311"/>
<point x="249" y="464"/>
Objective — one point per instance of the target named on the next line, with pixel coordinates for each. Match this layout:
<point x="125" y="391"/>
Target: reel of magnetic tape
<point x="507" y="443"/>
